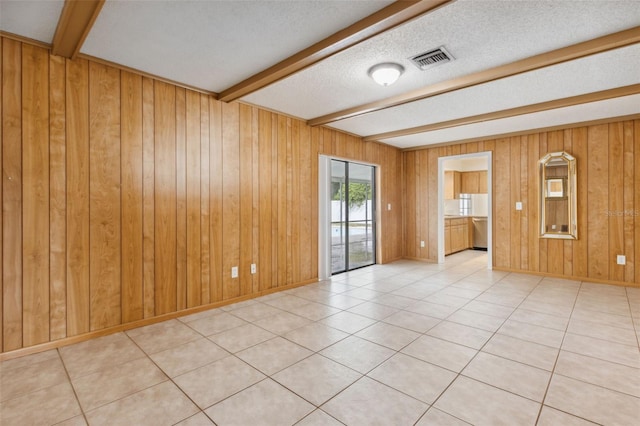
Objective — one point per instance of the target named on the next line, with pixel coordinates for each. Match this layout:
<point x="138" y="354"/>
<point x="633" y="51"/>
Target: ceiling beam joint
<point x="75" y="22"/>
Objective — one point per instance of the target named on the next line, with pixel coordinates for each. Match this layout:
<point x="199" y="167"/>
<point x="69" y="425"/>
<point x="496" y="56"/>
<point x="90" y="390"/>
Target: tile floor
<point x="401" y="344"/>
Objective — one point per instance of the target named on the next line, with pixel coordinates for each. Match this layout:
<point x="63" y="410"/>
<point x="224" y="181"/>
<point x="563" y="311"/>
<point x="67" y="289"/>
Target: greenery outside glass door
<point x="353" y="224"/>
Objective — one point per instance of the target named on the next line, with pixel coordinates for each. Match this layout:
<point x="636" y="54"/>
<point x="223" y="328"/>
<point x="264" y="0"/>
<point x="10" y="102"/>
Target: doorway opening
<point x="465" y="205"/>
<point x="352" y="219"/>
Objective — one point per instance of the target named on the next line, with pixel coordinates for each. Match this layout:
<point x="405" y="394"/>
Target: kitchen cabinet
<point x="456" y="234"/>
<point x="452" y="182"/>
<point x="473" y="182"/>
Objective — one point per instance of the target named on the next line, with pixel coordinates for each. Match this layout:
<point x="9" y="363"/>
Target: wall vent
<point x="432" y="58"/>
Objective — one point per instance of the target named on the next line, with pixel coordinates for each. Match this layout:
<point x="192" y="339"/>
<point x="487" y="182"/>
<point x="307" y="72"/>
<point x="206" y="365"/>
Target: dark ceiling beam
<point x="575" y="51"/>
<point x="385" y="19"/>
<point x="512" y="112"/>
<point x="75" y="22"/>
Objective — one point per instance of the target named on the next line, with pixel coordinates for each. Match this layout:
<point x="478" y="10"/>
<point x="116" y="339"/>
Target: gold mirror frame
<point x="558" y="203"/>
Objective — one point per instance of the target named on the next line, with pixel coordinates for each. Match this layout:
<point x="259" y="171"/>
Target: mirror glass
<point x="558" y="218"/>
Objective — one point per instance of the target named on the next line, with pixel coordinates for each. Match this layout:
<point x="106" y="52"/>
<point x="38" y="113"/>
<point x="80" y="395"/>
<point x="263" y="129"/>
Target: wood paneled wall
<point x="125" y="198"/>
<point x="608" y="161"/>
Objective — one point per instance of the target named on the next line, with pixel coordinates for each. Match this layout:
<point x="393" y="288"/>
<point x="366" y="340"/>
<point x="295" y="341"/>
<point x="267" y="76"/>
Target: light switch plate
<point x="253" y="268"/>
<point x="422" y="244"/>
<point x="621" y="259"/>
<point x="518" y="205"/>
<point x="234" y="272"/>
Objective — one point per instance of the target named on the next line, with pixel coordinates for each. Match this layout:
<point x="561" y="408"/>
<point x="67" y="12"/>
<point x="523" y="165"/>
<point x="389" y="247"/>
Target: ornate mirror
<point x="558" y="216"/>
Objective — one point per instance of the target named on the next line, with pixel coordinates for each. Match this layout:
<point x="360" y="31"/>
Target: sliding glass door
<point x="353" y="224"/>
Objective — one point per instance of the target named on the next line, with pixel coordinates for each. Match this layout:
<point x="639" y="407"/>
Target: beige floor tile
<point x="341" y="301"/>
<point x="529" y="353"/>
<point x="476" y="319"/>
<point x="604" y="332"/>
<point x="552" y="417"/>
<point x="162" y="404"/>
<point x="216" y="381"/>
<point x="43" y="407"/>
<point x="187" y="357"/>
<point x="521" y="379"/>
<point x="27" y="360"/>
<point x="153" y="328"/>
<point x="602" y="349"/>
<point x="368" y="402"/>
<point x="314" y="311"/>
<point x="287" y="302"/>
<point x="255" y="312"/>
<point x="489" y="309"/>
<point x="348" y="322"/>
<point x="598" y="372"/>
<point x="548" y="307"/>
<point x="31" y="377"/>
<point x="393" y="301"/>
<point x="200" y="315"/>
<point x="388" y="335"/>
<point x="538" y="318"/>
<point x="622" y="321"/>
<point x="245" y="303"/>
<point x="481" y="404"/>
<point x="435" y="417"/>
<point x="440" y="352"/>
<point x="592" y="403"/>
<point x="373" y="310"/>
<point x="419" y="379"/>
<point x="441" y="298"/>
<point x="460" y="334"/>
<point x="107" y="385"/>
<point x="282" y="322"/>
<point x="358" y="354"/>
<point x="274" y="355"/>
<point x="316" y="379"/>
<point x="412" y="321"/>
<point x="74" y="421"/>
<point x="362" y="293"/>
<point x="616" y="305"/>
<point x="532" y="333"/>
<point x="166" y="338"/>
<point x="318" y="418"/>
<point x="199" y="419"/>
<point x="431" y="309"/>
<point x="96" y="354"/>
<point x="417" y="291"/>
<point x="315" y="336"/>
<point x="241" y="338"/>
<point x="266" y="403"/>
<point x="216" y="323"/>
<point x="457" y="291"/>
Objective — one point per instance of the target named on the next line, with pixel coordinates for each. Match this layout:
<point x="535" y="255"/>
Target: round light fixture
<point x="386" y="74"/>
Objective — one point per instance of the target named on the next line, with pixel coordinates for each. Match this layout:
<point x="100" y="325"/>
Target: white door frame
<point x="441" y="161"/>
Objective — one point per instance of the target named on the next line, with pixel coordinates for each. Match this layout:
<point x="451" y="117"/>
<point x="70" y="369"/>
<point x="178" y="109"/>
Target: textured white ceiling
<point x="604" y="71"/>
<point x="617" y="107"/>
<point x="214" y="44"/>
<point x="35" y="19"/>
<point x="479" y="34"/>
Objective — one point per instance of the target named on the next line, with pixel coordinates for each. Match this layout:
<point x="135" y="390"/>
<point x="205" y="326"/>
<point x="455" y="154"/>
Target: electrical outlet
<point x="621" y="259"/>
<point x="518" y="205"/>
<point x="234" y="272"/>
<point x="422" y="244"/>
<point x="253" y="268"/>
<point x="389" y="206"/>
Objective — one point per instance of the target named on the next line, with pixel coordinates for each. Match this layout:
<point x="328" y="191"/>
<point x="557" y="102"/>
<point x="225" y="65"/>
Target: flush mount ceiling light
<point x="386" y="74"/>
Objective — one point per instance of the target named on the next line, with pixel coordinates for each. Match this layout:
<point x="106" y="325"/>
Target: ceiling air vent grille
<point x="432" y="58"/>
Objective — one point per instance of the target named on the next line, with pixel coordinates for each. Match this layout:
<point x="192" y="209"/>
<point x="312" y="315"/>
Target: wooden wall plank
<point x="598" y="184"/>
<point x="216" y="197"/>
<point x="515" y="192"/>
<point x="288" y="203"/>
<point x="77" y="115"/>
<point x="636" y="197"/>
<point x="1" y="179"/>
<point x="165" y="198"/>
<point x="255" y="185"/>
<point x="293" y="205"/>
<point x="205" y="205"/>
<point x="616" y="199"/>
<point x="275" y="219"/>
<point x="568" y="244"/>
<point x="231" y="197"/>
<point x="502" y="216"/>
<point x="104" y="196"/>
<point x="58" y="200"/>
<point x="543" y="243"/>
<point x="265" y="173"/>
<point x="628" y="178"/>
<point x="524" y="198"/>
<point x="181" y="198"/>
<point x="580" y="247"/>
<point x="410" y="205"/>
<point x="246" y="200"/>
<point x="305" y="214"/>
<point x="281" y="228"/>
<point x="35" y="195"/>
<point x="148" y="196"/>
<point x="132" y="184"/>
<point x="555" y="248"/>
<point x="433" y="201"/>
<point x="193" y="229"/>
<point x="533" y="154"/>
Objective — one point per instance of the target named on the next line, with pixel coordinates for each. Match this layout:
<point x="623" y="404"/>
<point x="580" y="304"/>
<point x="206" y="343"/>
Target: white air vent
<point x="432" y="58"/>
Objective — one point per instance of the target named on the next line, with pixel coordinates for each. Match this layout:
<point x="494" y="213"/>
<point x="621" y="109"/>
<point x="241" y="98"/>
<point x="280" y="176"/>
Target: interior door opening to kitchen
<point x="464" y="205"/>
<point x="353" y="225"/>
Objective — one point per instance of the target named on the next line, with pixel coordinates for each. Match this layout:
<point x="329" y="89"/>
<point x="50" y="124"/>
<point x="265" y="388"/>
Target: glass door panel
<point x="352" y="215"/>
